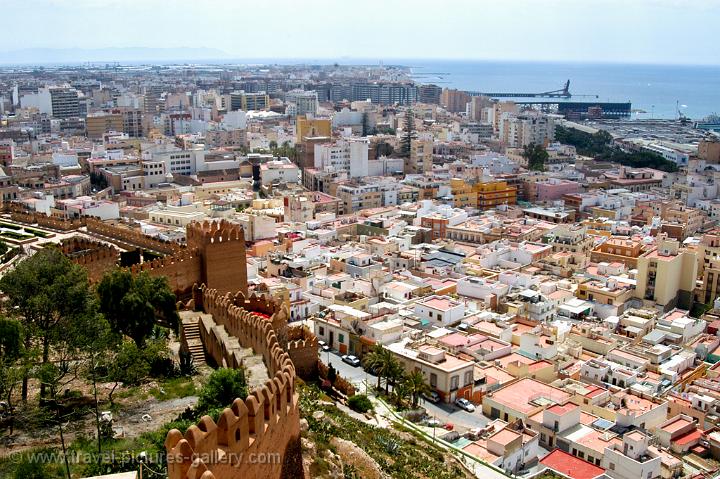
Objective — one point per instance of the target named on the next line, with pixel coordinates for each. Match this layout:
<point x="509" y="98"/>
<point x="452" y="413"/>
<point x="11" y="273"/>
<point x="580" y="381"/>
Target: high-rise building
<point x="241" y="100"/>
<point x="306" y="102"/>
<point x="454" y="101"/>
<point x="311" y="127"/>
<point x="65" y="102"/>
<point x="429" y="94"/>
<point x="133" y="123"/>
<point x="421" y="155"/>
<point x="97" y="124"/>
<point x="478" y="108"/>
<point x="153" y="94"/>
<point x="518" y="131"/>
<point x="7" y="152"/>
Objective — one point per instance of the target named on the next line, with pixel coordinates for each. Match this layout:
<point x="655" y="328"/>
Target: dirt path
<point x="132" y="421"/>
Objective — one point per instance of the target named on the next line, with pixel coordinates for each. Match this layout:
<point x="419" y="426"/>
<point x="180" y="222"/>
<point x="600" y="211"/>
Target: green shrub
<point x="360" y="403"/>
<point x="223" y="387"/>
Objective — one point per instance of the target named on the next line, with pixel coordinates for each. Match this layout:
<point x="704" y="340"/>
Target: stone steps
<point x="193" y="343"/>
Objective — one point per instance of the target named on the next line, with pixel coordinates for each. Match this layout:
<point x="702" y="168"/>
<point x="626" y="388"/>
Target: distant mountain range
<point x="109" y="55"/>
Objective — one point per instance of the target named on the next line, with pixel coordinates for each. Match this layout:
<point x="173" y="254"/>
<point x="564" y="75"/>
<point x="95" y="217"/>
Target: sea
<point x="656" y="91"/>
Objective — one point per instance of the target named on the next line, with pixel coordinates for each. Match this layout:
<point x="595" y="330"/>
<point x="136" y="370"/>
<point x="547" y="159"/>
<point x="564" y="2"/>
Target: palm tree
<point x="394" y="372"/>
<point x="416" y="386"/>
<point x="373" y="361"/>
<point x="383" y="363"/>
<point x="400" y="393"/>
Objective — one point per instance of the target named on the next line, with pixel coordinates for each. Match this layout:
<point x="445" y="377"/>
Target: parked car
<point x="432" y="422"/>
<point x="432" y="396"/>
<point x="323" y="346"/>
<point x="465" y="404"/>
<point x="351" y="360"/>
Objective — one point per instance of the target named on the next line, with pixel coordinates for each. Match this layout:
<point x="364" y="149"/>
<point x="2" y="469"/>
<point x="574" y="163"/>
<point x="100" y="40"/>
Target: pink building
<point x="554" y="189"/>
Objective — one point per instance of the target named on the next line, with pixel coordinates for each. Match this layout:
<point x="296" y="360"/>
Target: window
<point x="433" y="379"/>
<point x="341" y="338"/>
<point x="439" y="317"/>
<point x="454" y="382"/>
<point x="322" y="331"/>
<point x="612" y="466"/>
<point x="468" y="378"/>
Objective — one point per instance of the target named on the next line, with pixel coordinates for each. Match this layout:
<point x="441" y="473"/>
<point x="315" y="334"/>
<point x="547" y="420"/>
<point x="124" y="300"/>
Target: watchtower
<point x="221" y="248"/>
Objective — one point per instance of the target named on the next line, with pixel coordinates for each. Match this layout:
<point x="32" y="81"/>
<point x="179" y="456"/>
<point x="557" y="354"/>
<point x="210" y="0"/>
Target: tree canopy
<point x="222" y="388"/>
<point x="599" y="146"/>
<point x="50" y="295"/>
<point x="134" y="304"/>
<point x="536" y="156"/>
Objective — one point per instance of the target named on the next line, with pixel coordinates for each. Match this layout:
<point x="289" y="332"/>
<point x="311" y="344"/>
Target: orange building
<point x="494" y="193"/>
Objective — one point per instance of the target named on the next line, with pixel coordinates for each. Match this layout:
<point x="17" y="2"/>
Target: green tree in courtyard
<point x="536" y="156"/>
<point x="49" y="294"/>
<point x="134" y="304"/>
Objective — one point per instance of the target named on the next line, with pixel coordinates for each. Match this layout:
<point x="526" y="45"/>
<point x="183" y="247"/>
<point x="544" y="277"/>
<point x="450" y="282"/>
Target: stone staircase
<point x="191" y="339"/>
<point x="255" y="369"/>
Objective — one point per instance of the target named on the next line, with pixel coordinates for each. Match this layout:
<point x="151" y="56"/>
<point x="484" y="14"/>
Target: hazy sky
<point x="648" y="31"/>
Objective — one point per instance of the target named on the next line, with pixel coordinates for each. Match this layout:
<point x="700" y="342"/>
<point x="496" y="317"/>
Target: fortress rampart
<point x="96" y="257"/>
<point x="265" y="424"/>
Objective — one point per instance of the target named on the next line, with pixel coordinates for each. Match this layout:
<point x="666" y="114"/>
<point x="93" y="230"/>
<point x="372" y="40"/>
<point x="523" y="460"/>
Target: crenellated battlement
<point x="209" y="232"/>
<point x="96" y="257"/>
<point x="267" y="422"/>
<point x="163" y="262"/>
<point x="49" y="222"/>
<point x="129" y="238"/>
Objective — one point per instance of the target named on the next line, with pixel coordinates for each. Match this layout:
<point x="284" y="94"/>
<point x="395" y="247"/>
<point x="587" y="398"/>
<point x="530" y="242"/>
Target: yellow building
<point x="709" y="268"/>
<point x="310" y="128"/>
<point x="494" y="193"/>
<point x="604" y="292"/>
<point x="463" y="194"/>
<point x="667" y="274"/>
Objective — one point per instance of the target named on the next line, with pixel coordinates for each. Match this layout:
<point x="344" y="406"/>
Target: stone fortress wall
<point x="215" y="254"/>
<point x="250" y="433"/>
<point x="267" y="423"/>
<point x="96" y="257"/>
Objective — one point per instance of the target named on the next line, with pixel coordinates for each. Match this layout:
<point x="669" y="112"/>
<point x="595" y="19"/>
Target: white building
<point x="518" y="131"/>
<point x="440" y="310"/>
<point x="306" y="102"/>
<point x="281" y="170"/>
<point x="634" y="460"/>
<point x="349" y="154"/>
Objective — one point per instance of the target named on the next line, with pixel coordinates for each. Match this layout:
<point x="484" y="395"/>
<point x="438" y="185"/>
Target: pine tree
<point x="408" y="134"/>
<point x="365" y="124"/>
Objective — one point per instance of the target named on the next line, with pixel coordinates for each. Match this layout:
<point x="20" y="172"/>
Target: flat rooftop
<point x="526" y="395"/>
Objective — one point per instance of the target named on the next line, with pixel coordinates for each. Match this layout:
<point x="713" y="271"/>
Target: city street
<point x="445" y="413"/>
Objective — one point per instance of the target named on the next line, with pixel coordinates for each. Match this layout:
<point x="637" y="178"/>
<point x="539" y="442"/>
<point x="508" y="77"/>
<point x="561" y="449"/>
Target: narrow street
<point x="445" y="413"/>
